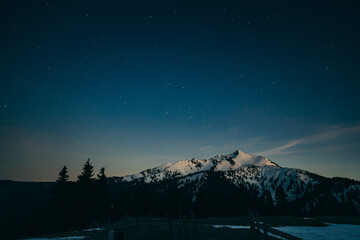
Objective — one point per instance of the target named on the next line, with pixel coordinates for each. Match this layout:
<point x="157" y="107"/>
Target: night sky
<point x="134" y="84"/>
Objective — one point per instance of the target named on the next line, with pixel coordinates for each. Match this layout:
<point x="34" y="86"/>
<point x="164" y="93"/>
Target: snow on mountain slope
<point x="238" y="159"/>
<point x="183" y="168"/>
<point x="240" y="168"/>
<point x="294" y="182"/>
<point x="264" y="179"/>
<point x="256" y="173"/>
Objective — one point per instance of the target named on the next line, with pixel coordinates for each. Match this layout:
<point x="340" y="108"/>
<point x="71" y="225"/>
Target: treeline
<point x="66" y="205"/>
<point x="217" y="197"/>
<point x="75" y="205"/>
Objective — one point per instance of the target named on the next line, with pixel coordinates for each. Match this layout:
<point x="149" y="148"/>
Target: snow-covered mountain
<point x="258" y="174"/>
<point x="239" y="168"/>
<point x="183" y="168"/>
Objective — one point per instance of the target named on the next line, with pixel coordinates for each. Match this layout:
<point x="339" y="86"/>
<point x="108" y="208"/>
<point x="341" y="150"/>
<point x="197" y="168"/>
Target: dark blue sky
<point x="134" y="84"/>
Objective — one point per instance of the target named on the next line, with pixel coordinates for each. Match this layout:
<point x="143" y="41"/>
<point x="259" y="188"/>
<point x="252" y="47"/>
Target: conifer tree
<point x="101" y="175"/>
<point x="86" y="200"/>
<point x="63" y="177"/>
<point x="59" y="203"/>
<point x="87" y="174"/>
<point x="101" y="196"/>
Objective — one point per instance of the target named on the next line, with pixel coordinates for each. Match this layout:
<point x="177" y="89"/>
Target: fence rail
<point x="183" y="229"/>
<point x="265" y="229"/>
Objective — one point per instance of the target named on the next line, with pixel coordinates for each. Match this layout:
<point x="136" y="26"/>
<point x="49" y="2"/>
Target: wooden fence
<point x="183" y="230"/>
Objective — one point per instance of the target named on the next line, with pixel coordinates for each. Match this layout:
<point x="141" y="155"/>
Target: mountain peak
<point x="241" y="153"/>
<point x="238" y="159"/>
<point x="182" y="168"/>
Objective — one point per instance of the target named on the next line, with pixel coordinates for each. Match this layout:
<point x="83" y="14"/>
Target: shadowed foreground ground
<point x="196" y="229"/>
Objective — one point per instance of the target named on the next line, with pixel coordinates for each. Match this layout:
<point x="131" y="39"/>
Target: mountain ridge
<point x="254" y="175"/>
<point x="181" y="168"/>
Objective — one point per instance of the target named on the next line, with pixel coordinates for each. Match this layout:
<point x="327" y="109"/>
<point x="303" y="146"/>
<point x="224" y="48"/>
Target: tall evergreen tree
<point x="86" y="188"/>
<point x="63" y="176"/>
<point x="101" y="175"/>
<point x="59" y="204"/>
<point x="101" y="197"/>
<point x="87" y="174"/>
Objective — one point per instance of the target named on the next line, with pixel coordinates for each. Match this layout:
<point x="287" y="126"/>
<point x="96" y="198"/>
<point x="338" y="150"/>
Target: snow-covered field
<point x="93" y="229"/>
<point x="60" y="238"/>
<point x="231" y="226"/>
<point x="71" y="237"/>
<point x="332" y="232"/>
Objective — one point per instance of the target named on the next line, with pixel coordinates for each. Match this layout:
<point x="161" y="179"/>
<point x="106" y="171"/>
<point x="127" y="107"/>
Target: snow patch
<point x="331" y="232"/>
<point x="59" y="238"/>
<point x="93" y="229"/>
<point x="231" y="226"/>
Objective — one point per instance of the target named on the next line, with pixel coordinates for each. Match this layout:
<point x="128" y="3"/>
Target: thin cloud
<point x="206" y="148"/>
<point x="331" y="134"/>
<point x="281" y="149"/>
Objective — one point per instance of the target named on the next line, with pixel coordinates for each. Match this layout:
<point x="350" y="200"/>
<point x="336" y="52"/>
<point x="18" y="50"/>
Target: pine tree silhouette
<point x="101" y="175"/>
<point x="63" y="177"/>
<point x="101" y="196"/>
<point x="87" y="174"/>
<point x="59" y="203"/>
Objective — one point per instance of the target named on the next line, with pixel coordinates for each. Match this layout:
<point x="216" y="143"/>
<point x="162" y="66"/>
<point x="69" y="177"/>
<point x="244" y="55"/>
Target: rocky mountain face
<point x="246" y="179"/>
